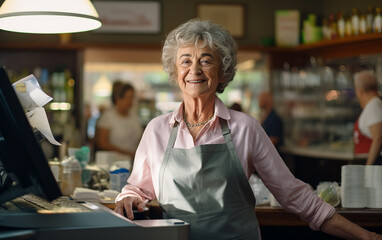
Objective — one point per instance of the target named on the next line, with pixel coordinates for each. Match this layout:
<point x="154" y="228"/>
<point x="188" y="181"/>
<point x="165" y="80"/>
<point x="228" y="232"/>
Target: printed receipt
<point x="38" y="119"/>
<point x="33" y="98"/>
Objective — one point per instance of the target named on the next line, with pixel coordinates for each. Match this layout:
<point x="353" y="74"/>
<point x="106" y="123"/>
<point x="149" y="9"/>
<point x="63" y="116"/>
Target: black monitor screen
<point x="20" y="152"/>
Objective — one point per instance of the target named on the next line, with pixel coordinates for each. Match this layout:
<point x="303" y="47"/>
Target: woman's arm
<point x="376" y="145"/>
<point x="103" y="142"/>
<point x="341" y="227"/>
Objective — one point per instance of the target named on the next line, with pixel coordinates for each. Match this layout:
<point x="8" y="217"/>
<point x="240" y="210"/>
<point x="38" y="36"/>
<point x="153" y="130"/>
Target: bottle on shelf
<point x="369" y="19"/>
<point x="326" y="34"/>
<point x="340" y="24"/>
<point x="355" y="21"/>
<point x="348" y="27"/>
<point x="362" y="23"/>
<point x="332" y="26"/>
<point x="377" y="25"/>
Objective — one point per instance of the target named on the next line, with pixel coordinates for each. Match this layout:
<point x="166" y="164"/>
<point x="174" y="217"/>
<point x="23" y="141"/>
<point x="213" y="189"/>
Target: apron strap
<point x="170" y="145"/>
<point x="225" y="130"/>
<point x="174" y="132"/>
<point x="227" y="137"/>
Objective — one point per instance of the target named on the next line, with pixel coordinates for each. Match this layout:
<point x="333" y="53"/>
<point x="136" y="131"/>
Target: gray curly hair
<point x="201" y="33"/>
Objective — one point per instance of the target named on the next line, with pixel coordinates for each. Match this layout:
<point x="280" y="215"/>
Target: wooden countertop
<point x="321" y="153"/>
<point x="277" y="216"/>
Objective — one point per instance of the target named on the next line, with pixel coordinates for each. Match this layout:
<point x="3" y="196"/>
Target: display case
<point x="58" y="73"/>
<point x="319" y="106"/>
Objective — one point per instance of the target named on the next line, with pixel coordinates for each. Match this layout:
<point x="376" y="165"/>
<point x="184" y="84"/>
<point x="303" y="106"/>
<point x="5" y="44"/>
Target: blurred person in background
<point x="237" y="107"/>
<point x="270" y="120"/>
<point x="118" y="128"/>
<point x="368" y="127"/>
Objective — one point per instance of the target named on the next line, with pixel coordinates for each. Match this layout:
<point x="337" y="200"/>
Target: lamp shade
<point x="48" y="16"/>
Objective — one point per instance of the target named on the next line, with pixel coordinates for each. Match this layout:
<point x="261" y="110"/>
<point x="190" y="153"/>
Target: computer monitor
<point x="20" y="152"/>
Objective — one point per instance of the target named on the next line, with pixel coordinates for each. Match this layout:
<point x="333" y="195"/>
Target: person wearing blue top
<point x="270" y="120"/>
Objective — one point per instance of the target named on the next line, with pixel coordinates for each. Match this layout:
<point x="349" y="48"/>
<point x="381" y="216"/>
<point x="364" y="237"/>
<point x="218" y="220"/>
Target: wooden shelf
<point x="327" y="49"/>
<point x="73" y="46"/>
<point x="353" y="40"/>
<point x="299" y="55"/>
<point x="363" y="43"/>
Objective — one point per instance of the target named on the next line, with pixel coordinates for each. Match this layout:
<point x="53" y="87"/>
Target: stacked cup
<point x="353" y="192"/>
<point x="373" y="185"/>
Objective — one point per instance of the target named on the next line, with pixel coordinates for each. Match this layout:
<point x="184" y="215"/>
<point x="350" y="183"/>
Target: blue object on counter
<point x="118" y="178"/>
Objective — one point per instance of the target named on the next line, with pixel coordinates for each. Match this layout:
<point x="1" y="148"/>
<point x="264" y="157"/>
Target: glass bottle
<point x="369" y="19"/>
<point x="377" y="20"/>
<point x="326" y="29"/>
<point x="362" y="24"/>
<point x="348" y="27"/>
<point x="332" y="26"/>
<point x="340" y="25"/>
<point x="355" y="21"/>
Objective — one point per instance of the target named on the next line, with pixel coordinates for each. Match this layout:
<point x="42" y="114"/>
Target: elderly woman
<point x="196" y="161"/>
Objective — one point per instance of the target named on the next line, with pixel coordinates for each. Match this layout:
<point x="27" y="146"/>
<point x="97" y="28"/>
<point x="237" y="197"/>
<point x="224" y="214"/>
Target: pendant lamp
<point x="48" y="16"/>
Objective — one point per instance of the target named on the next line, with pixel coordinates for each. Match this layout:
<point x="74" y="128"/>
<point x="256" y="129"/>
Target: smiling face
<point x="199" y="71"/>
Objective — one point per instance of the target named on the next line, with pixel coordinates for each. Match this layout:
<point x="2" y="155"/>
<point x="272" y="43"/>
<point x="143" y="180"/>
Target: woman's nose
<point x="195" y="68"/>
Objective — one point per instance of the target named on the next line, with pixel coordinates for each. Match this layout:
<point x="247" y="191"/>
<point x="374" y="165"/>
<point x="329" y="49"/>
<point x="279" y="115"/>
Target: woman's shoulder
<point x="243" y="122"/>
<point x="243" y="117"/>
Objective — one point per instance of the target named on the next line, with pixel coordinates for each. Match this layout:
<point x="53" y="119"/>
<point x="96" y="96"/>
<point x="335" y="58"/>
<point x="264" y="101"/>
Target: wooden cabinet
<point x="59" y="72"/>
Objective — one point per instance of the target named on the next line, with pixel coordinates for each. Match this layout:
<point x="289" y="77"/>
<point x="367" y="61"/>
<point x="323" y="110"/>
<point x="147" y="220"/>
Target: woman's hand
<point x="126" y="205"/>
<point x="376" y="236"/>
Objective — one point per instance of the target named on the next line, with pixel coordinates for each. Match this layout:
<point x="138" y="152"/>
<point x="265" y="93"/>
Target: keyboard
<point x="32" y="203"/>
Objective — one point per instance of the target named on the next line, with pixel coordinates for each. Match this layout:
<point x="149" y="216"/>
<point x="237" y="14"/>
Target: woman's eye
<point x="185" y="62"/>
<point x="205" y="62"/>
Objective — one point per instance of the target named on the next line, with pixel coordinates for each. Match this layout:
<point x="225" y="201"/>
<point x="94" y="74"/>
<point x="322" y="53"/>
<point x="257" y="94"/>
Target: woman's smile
<point x="198" y="81"/>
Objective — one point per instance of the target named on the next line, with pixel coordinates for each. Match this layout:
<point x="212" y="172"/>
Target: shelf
<point x="327" y="49"/>
<point x="371" y="38"/>
<point x="74" y="46"/>
<point x="353" y="40"/>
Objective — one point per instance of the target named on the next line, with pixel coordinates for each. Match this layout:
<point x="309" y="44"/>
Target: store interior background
<point x="313" y="91"/>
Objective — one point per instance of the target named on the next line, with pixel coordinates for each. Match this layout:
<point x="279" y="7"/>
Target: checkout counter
<point x="100" y="224"/>
<point x="276" y="223"/>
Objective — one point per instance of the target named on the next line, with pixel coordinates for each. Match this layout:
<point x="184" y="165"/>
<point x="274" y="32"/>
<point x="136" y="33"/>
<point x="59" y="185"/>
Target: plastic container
<point x="82" y="155"/>
<point x="71" y="172"/>
<point x="119" y="173"/>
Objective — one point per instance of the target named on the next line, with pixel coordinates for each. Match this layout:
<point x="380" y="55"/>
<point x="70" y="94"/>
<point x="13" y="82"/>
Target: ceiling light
<point x="48" y="16"/>
<point x="103" y="87"/>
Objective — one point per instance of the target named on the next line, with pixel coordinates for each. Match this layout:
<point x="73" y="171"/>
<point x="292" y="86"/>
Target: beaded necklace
<point x="198" y="124"/>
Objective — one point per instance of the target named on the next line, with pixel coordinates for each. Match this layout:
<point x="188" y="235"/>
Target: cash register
<point x="31" y="203"/>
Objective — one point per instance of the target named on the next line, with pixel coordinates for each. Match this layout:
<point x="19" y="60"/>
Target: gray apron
<point x="206" y="187"/>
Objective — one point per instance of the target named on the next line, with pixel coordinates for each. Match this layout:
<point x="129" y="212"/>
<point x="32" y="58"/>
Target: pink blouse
<point x="253" y="147"/>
